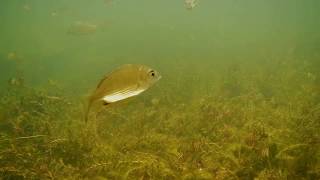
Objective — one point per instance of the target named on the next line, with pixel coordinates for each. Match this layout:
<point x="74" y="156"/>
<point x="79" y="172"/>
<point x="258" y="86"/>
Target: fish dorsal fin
<point x="108" y="75"/>
<point x="101" y="81"/>
<point x="122" y="94"/>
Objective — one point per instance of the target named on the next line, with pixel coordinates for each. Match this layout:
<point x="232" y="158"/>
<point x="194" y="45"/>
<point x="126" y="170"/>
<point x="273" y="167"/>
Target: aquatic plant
<point x="254" y="131"/>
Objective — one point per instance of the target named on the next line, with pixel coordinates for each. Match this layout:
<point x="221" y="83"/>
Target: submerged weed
<point x="253" y="129"/>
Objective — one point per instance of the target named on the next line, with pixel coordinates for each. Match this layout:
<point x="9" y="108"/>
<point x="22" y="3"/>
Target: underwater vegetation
<point x="261" y="126"/>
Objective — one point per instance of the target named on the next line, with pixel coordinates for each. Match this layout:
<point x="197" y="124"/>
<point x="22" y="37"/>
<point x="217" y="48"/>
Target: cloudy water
<point x="239" y="95"/>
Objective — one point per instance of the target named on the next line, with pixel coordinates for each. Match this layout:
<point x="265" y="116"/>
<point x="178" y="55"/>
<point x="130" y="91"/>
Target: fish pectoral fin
<point x="105" y="103"/>
<point x="117" y="96"/>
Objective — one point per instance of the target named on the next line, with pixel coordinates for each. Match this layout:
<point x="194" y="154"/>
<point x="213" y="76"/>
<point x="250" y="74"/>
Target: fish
<point x="124" y="82"/>
<point x="190" y="4"/>
<point x="82" y="28"/>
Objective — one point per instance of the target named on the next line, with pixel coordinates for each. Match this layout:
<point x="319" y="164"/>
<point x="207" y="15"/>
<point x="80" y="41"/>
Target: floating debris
<point x="126" y="81"/>
<point x="190" y="4"/>
<point x="82" y="28"/>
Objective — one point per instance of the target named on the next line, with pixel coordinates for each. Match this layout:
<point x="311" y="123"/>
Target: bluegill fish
<point x="126" y="81"/>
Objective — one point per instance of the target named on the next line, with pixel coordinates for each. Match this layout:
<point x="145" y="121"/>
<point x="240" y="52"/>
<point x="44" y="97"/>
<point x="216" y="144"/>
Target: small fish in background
<point x="82" y="28"/>
<point x="190" y="4"/>
<point x="124" y="82"/>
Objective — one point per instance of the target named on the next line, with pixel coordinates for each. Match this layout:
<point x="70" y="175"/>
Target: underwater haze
<point x="239" y="96"/>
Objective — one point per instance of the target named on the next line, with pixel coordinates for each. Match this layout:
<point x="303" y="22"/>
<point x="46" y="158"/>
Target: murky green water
<point x="238" y="99"/>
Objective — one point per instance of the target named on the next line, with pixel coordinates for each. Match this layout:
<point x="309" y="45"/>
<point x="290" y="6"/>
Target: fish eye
<point x="152" y="73"/>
